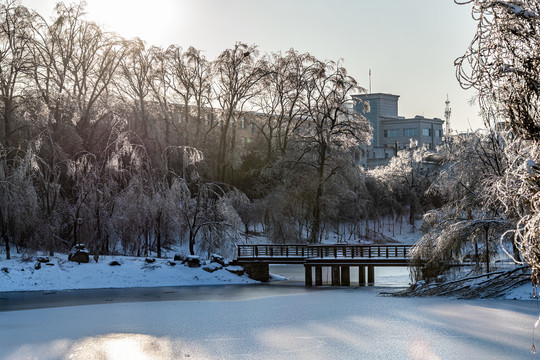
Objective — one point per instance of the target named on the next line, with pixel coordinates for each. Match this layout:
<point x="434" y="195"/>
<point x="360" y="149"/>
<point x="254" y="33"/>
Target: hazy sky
<point x="409" y="45"/>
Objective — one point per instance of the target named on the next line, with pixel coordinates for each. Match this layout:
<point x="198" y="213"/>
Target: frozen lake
<point x="269" y="322"/>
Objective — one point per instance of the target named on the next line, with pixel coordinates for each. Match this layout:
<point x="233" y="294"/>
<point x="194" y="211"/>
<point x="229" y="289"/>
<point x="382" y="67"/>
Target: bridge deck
<point x="325" y="255"/>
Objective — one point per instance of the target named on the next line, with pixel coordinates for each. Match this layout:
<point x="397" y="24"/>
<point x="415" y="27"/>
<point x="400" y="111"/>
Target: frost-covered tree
<point x="208" y="214"/>
<point x="408" y="175"/>
<point x="470" y="222"/>
<point x="502" y="63"/>
<point x="333" y="131"/>
<point x="19" y="207"/>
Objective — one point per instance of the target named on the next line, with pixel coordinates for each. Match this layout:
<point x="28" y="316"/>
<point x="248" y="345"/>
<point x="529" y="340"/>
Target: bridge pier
<point x="335" y="276"/>
<point x="361" y="275"/>
<point x="345" y="276"/>
<point x="309" y="277"/>
<point x="318" y="275"/>
<point x="258" y="271"/>
<point x="371" y="274"/>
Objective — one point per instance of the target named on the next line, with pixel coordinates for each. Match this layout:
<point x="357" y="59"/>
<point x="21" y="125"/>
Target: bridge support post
<point x="362" y="275"/>
<point x="345" y="276"/>
<point x="318" y="275"/>
<point x="309" y="278"/>
<point x="335" y="276"/>
<point x="258" y="271"/>
<point x="371" y="274"/>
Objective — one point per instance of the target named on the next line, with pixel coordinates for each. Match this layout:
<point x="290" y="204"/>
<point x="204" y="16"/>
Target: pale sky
<point x="409" y="45"/>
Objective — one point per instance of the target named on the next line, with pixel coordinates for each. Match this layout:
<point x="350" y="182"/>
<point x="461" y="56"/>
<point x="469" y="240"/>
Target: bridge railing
<point x="272" y="251"/>
<point x="339" y="251"/>
<point x="359" y="251"/>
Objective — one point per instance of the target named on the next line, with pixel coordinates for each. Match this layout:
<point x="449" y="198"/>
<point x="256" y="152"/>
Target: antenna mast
<point x="447" y="113"/>
<point x="370" y="81"/>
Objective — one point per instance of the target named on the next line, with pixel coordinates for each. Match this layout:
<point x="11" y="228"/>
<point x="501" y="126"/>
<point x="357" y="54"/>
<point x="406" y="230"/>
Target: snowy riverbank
<point x="61" y="274"/>
<point x="135" y="272"/>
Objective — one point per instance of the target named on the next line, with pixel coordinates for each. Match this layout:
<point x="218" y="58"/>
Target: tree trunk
<point x="487" y="249"/>
<point x="8" y="253"/>
<point x="316" y="227"/>
<point x="158" y="240"/>
<point x="515" y="251"/>
<point x="191" y="242"/>
<point x="476" y="256"/>
<point x="222" y="153"/>
<point x="4" y="235"/>
<point x="6" y="240"/>
<point x="158" y="234"/>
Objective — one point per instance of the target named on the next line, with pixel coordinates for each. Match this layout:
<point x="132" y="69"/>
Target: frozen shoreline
<point x="134" y="272"/>
<point x="60" y="274"/>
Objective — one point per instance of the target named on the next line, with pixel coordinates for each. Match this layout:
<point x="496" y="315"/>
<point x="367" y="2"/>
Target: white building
<point x="392" y="132"/>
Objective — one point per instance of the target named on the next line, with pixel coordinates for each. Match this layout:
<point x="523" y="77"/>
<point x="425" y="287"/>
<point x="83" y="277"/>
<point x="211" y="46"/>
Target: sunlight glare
<point x="153" y="21"/>
<point x="125" y="346"/>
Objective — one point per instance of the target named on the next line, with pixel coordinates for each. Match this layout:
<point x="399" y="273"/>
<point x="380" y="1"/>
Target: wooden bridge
<point x="340" y="257"/>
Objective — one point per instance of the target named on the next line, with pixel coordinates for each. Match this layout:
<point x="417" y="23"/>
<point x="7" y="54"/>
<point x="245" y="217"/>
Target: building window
<point x="242" y="122"/>
<point x="426" y="132"/>
<point x="438" y="133"/>
<point x="392" y="133"/>
<point x="409" y="132"/>
<point x="252" y="129"/>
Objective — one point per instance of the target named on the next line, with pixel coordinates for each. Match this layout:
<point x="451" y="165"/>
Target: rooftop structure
<point x="392" y="132"/>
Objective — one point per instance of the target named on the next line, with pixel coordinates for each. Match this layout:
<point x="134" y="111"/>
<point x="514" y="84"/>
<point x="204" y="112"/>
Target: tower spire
<point x="370" y="81"/>
<point x="447" y="113"/>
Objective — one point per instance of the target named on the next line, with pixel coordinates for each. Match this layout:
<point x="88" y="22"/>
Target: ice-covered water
<point x="267" y="323"/>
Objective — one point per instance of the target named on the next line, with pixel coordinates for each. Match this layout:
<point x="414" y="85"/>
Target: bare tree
<point x="15" y="61"/>
<point x="74" y="63"/>
<point x="237" y="72"/>
<point x="332" y="128"/>
<point x="161" y="84"/>
<point x="198" y="78"/>
<point x="279" y="99"/>
<point x="135" y="83"/>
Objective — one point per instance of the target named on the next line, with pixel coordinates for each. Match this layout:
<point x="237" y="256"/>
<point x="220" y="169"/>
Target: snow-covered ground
<point x="316" y="324"/>
<point x="249" y="322"/>
<point x="59" y="274"/>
